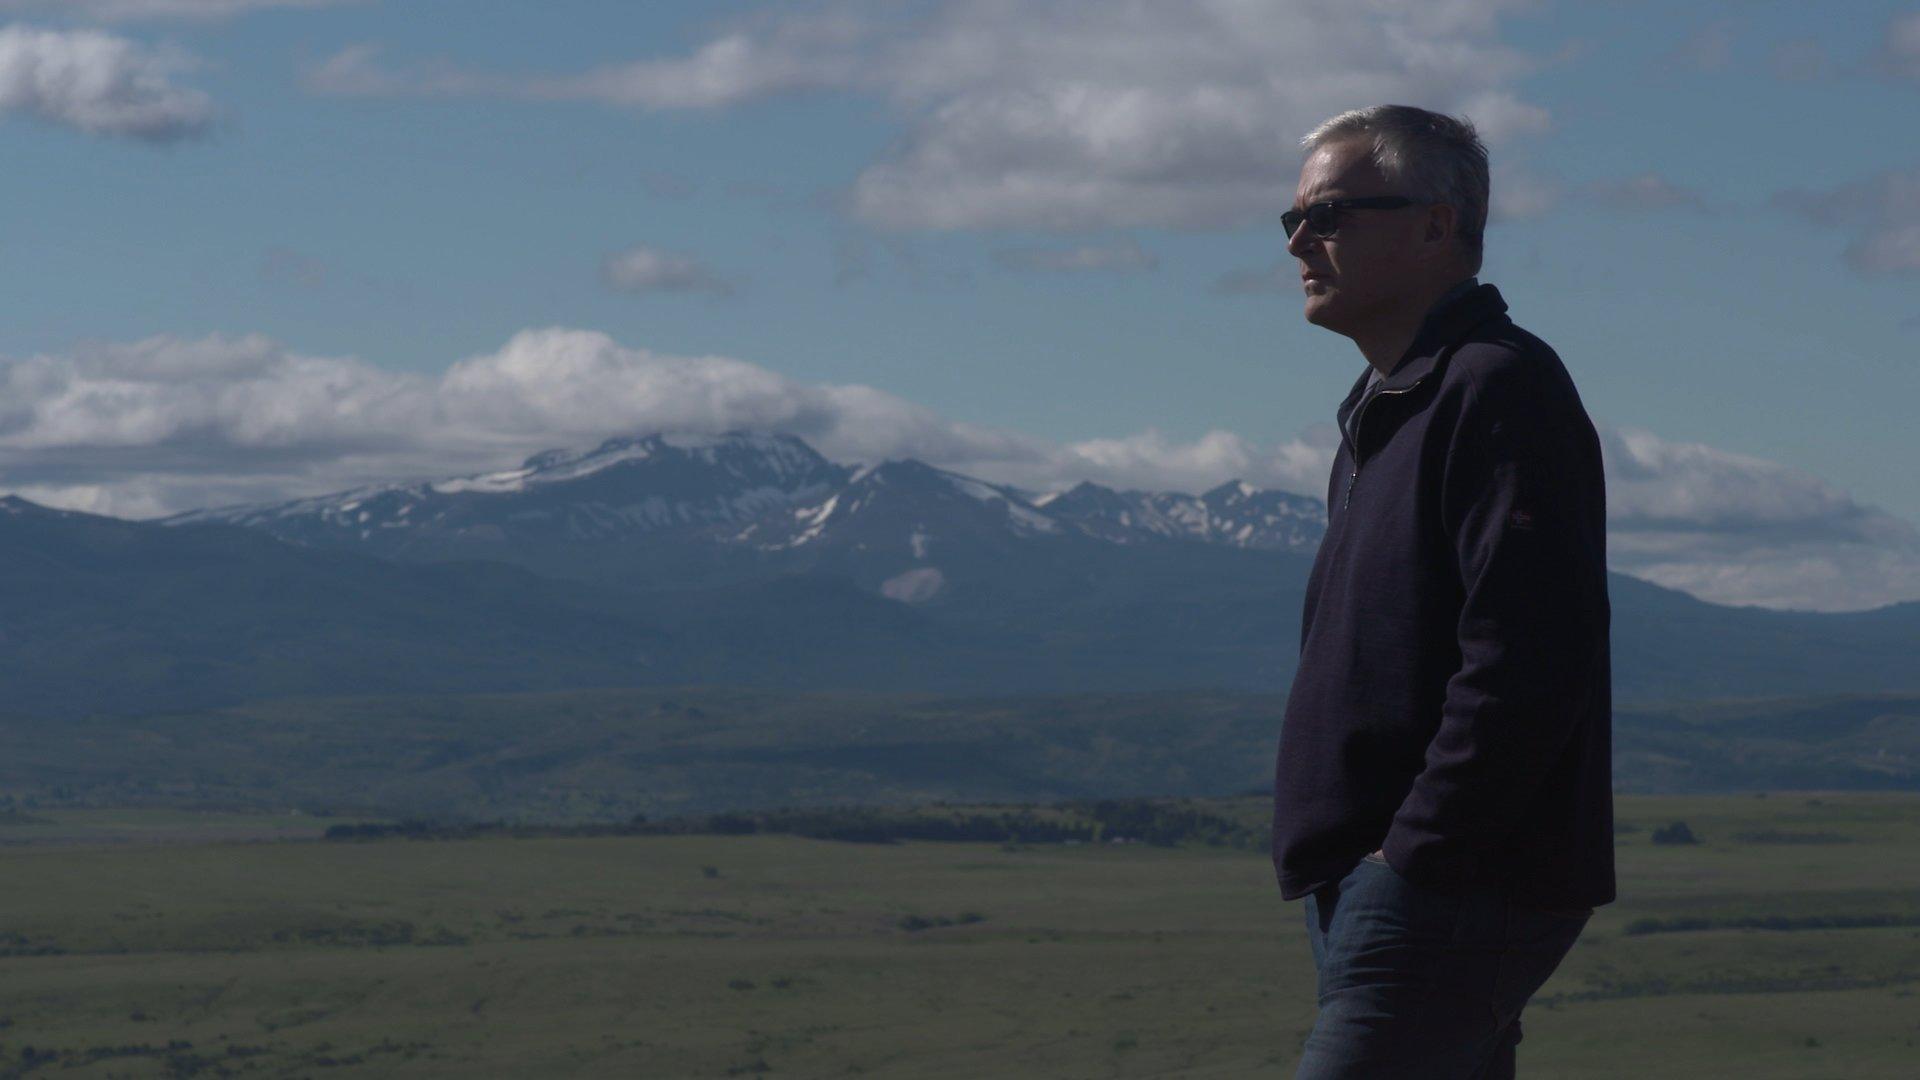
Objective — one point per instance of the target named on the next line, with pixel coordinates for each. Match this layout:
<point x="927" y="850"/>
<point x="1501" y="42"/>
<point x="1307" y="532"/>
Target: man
<point x="1442" y="789"/>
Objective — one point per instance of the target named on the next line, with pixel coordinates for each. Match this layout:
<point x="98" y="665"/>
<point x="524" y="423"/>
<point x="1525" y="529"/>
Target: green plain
<point x="256" y="949"/>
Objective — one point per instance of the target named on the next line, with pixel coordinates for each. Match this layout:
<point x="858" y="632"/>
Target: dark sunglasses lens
<point x="1290" y="221"/>
<point x="1320" y="219"/>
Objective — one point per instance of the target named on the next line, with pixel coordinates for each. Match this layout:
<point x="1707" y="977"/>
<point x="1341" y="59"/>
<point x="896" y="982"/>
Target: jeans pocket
<point x="1424" y="913"/>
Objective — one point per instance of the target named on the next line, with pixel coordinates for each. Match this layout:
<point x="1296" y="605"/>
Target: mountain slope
<point x="676" y="510"/>
<point x="760" y="564"/>
<point x="114" y="615"/>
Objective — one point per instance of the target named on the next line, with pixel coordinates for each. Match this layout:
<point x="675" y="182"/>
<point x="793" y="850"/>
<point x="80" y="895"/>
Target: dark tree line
<point x="1160" y="822"/>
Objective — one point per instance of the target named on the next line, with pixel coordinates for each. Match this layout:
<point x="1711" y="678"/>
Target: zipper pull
<point x="1351" y="477"/>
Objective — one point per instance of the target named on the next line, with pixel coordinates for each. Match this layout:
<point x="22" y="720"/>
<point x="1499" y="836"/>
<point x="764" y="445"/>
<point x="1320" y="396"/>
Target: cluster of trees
<point x="1161" y="822"/>
<point x="1770" y="922"/>
<point x="874" y="825"/>
<point x="1676" y="833"/>
<point x="915" y="923"/>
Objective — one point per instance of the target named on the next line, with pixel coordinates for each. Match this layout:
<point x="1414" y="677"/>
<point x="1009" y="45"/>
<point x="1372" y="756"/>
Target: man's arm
<point x="1524" y="502"/>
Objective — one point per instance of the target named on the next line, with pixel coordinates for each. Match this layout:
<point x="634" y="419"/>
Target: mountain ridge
<point x="783" y="471"/>
<point x="910" y="578"/>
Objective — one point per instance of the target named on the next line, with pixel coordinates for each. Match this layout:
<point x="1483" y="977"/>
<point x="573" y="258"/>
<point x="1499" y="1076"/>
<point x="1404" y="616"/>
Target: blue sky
<point x="262" y="248"/>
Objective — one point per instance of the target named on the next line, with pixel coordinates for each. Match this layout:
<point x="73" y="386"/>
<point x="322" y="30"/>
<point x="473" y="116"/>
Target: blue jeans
<point x="1417" y="983"/>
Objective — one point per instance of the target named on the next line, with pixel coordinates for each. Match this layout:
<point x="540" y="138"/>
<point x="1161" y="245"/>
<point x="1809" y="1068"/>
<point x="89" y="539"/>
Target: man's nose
<point x="1302" y="240"/>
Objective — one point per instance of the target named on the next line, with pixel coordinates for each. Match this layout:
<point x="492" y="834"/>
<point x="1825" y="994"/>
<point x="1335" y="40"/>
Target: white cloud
<point x="129" y="10"/>
<point x="1804" y="575"/>
<point x="803" y="53"/>
<point x="1150" y="461"/>
<point x="241" y="394"/>
<point x="730" y="70"/>
<point x="100" y="84"/>
<point x="1654" y="483"/>
<point x="1882" y="214"/>
<point x="355" y="72"/>
<point x="168" y="424"/>
<point x="1185" y="115"/>
<point x="1126" y="257"/>
<point x="642" y="269"/>
<point x="1077" y="114"/>
<point x="1737" y="529"/>
<point x="1517" y="193"/>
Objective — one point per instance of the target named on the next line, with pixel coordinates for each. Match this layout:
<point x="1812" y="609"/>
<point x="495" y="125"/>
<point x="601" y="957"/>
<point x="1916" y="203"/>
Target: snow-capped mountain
<point x="623" y="488"/>
<point x="904" y="504"/>
<point x="766" y="492"/>
<point x="677" y="510"/>
<point x="908" y="530"/>
<point x="897" y="576"/>
<point x="1234" y="513"/>
<point x="17" y="507"/>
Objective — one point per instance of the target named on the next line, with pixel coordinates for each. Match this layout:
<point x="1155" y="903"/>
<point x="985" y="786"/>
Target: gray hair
<point x="1432" y="156"/>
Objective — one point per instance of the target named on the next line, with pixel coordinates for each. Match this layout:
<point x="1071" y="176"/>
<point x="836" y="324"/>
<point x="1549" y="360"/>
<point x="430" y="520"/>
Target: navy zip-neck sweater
<point x="1453" y="700"/>
<point x="1373" y="375"/>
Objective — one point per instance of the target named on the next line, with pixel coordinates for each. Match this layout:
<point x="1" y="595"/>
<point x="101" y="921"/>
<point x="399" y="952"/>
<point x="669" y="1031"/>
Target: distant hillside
<point x="931" y="586"/>
<point x="1669" y="646"/>
<point x="607" y="755"/>
<point x="103" y="614"/>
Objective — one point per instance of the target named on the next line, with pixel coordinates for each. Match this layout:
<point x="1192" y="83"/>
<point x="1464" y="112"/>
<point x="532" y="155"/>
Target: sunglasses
<point x="1324" y="217"/>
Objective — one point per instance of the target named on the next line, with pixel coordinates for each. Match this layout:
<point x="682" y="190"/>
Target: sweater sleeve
<point x="1524" y="503"/>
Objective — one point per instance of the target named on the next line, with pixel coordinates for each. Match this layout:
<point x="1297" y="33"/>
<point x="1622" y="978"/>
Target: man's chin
<point x="1320" y="313"/>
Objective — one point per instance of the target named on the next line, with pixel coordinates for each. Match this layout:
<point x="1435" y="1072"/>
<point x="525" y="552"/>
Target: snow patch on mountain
<point x="770" y="492"/>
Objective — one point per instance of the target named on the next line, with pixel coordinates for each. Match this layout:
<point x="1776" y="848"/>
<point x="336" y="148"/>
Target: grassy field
<point x="169" y="943"/>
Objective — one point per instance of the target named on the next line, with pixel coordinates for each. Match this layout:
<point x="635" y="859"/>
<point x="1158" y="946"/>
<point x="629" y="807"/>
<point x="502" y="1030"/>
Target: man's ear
<point x="1439" y="225"/>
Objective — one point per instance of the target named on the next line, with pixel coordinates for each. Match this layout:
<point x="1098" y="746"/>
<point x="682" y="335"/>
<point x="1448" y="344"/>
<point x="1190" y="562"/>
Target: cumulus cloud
<point x="1075" y="115"/>
<point x="173" y="423"/>
<point x="642" y="269"/>
<point x="1737" y="529"/>
<point x="1880" y="213"/>
<point x="355" y="71"/>
<point x="730" y="70"/>
<point x="1150" y="461"/>
<point x="100" y="84"/>
<point x="129" y="10"/>
<point x="166" y="424"/>
<point x="1516" y="193"/>
<point x="1185" y="115"/>
<point x="1127" y="257"/>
